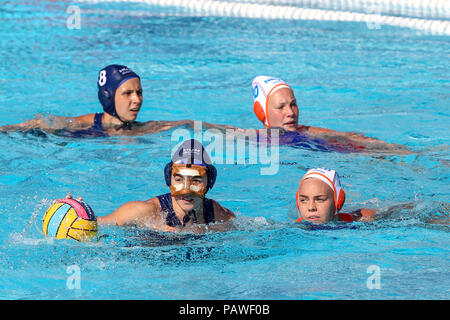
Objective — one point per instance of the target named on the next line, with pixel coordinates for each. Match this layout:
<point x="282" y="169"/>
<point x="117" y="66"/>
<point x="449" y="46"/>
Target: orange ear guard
<point x="296" y="198"/>
<point x="340" y="200"/>
<point x="259" y="112"/>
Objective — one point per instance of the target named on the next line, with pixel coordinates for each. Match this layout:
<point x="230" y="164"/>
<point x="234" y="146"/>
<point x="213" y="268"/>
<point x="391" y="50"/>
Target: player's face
<point x="128" y="100"/>
<point x="282" y="109"/>
<point x="316" y="201"/>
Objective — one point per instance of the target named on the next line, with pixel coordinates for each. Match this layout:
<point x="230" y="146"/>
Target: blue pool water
<point x="389" y="83"/>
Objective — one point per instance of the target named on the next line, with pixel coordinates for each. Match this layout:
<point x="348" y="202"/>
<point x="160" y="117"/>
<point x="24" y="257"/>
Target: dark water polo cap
<point x="109" y="79"/>
<point x="192" y="152"/>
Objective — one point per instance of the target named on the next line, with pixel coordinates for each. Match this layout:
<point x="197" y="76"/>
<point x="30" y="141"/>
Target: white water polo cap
<point x="331" y="178"/>
<point x="263" y="87"/>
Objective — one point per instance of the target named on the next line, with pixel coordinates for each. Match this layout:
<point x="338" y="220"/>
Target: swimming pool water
<point x="389" y="83"/>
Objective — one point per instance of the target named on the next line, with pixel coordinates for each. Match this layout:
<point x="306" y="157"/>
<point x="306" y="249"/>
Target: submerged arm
<point x="27" y="125"/>
<point x="359" y="141"/>
<point x="50" y="123"/>
<point x="364" y="215"/>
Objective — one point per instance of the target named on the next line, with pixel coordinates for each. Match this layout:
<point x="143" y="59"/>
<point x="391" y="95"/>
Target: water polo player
<point x="320" y="198"/>
<point x="190" y="175"/>
<point x="275" y="105"/>
<point x="120" y="93"/>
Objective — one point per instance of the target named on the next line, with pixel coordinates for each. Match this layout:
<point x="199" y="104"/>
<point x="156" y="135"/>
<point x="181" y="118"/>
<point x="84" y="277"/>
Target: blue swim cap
<point x="192" y="152"/>
<point x="109" y="79"/>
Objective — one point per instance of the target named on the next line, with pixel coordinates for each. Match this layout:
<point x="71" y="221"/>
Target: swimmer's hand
<point x="367" y="215"/>
<point x="364" y="215"/>
<point x="167" y="228"/>
<point x="69" y="196"/>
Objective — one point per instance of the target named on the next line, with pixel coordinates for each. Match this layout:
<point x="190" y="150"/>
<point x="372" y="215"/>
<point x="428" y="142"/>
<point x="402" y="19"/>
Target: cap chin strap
<point x="191" y="215"/>
<point x="126" y="125"/>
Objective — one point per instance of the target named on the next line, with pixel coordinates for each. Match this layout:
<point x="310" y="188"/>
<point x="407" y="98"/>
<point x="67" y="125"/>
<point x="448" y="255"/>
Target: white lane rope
<point x="439" y="9"/>
<point x="248" y="9"/>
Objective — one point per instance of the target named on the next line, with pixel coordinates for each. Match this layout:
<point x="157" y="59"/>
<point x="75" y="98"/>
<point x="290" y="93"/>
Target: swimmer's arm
<point x="207" y="125"/>
<point x="152" y="126"/>
<point x="371" y="144"/>
<point x="51" y="123"/>
<point x="221" y="127"/>
<point x="441" y="216"/>
<point x="333" y="133"/>
<point x="364" y="215"/>
<point x="221" y="213"/>
<point x="27" y="125"/>
<point x="223" y="217"/>
<point x="177" y="123"/>
<point x="133" y="212"/>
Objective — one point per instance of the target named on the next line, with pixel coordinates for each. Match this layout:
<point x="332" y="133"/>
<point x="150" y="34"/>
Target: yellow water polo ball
<point x="70" y="219"/>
